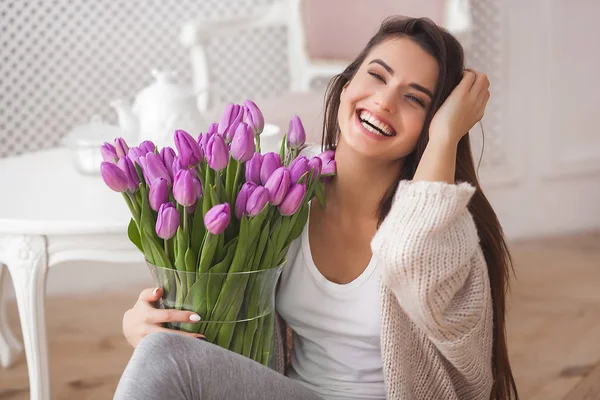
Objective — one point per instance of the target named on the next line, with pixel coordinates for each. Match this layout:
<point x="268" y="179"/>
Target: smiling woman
<point x="395" y="288"/>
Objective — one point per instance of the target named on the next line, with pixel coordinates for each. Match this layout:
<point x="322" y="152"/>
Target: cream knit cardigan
<point x="436" y="305"/>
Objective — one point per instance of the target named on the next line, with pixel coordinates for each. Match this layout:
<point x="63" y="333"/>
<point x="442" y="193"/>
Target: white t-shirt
<point x="336" y="350"/>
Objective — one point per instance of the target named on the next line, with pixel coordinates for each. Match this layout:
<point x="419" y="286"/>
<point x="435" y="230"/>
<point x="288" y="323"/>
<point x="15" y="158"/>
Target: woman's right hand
<point x="144" y="318"/>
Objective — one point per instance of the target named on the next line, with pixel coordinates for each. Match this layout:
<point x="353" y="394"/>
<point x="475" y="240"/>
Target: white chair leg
<point x="10" y="347"/>
<point x="27" y="263"/>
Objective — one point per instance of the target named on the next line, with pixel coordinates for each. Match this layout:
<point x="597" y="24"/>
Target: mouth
<point x="371" y="123"/>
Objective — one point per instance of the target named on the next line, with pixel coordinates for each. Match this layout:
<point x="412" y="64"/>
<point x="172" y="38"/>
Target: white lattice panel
<point x="62" y="61"/>
<point x="486" y="54"/>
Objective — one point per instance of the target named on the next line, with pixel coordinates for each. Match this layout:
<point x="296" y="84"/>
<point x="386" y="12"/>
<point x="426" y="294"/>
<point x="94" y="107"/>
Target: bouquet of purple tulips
<point x="216" y="212"/>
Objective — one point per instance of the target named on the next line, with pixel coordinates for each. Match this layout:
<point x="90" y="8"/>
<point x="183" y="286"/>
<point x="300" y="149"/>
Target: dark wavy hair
<point x="450" y="56"/>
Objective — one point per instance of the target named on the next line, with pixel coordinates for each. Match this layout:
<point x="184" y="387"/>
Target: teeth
<point x="371" y="129"/>
<point x="367" y="116"/>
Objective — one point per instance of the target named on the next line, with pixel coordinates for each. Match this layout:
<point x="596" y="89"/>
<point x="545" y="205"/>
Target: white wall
<point x="551" y="138"/>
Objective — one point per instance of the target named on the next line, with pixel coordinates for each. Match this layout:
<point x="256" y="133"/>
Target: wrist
<point x="442" y="142"/>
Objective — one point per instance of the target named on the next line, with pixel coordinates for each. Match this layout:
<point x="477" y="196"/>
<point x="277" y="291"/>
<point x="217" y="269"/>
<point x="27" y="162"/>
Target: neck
<point x="359" y="184"/>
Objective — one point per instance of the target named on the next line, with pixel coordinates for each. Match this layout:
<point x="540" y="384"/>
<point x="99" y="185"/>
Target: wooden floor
<point x="553" y="329"/>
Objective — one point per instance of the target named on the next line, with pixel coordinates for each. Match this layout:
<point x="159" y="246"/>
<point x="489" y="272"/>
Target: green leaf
<point x="134" y="235"/>
<point x="147" y="221"/>
<point x="282" y="234"/>
<point x="230" y="176"/>
<point x="198" y="228"/>
<point x="213" y="194"/>
<point x="260" y="247"/>
<point x="153" y="248"/>
<point x="299" y="223"/>
<point x="181" y="246"/>
<point x="282" y="148"/>
<point x="208" y="252"/>
<point x="215" y="280"/>
<point x="319" y="193"/>
<point x="190" y="260"/>
<point x="196" y="301"/>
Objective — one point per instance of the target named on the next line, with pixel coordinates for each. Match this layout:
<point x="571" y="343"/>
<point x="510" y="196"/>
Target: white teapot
<point x="160" y="109"/>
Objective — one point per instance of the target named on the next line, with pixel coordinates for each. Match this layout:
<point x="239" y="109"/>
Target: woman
<point x="396" y="289"/>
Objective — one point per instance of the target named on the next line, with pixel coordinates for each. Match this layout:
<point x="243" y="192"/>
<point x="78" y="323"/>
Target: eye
<point x="417" y="100"/>
<point x="376" y="76"/>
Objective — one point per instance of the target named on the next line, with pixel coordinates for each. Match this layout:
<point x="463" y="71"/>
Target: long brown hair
<point x="450" y="56"/>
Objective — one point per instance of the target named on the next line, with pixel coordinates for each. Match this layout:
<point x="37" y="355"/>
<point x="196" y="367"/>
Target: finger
<point x="481" y="85"/>
<point x="150" y="294"/>
<point x="192" y="335"/>
<point x="467" y="81"/>
<point x="158" y="316"/>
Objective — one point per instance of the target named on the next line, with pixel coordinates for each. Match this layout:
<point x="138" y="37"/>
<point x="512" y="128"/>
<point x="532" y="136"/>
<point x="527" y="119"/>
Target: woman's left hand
<point x="462" y="109"/>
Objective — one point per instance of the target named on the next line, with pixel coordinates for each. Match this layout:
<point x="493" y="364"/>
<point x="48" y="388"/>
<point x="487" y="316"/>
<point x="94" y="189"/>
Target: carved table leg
<point x="9" y="345"/>
<point x="26" y="259"/>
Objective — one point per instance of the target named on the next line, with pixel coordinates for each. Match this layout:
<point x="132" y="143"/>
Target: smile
<point x="374" y="125"/>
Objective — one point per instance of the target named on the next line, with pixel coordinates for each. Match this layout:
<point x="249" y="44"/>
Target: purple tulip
<point x="167" y="221"/>
<point x="329" y="166"/>
<point x="270" y="162"/>
<point x="293" y="200"/>
<point x="121" y="147"/>
<point x="135" y="153"/>
<point x="147" y="146"/>
<point x="159" y="194"/>
<point x="315" y="165"/>
<point x="203" y="140"/>
<point x="242" y="146"/>
<point x="254" y="117"/>
<point x="132" y="177"/>
<point x="213" y="128"/>
<point x="189" y="150"/>
<point x="167" y="155"/>
<point x="155" y="169"/>
<point x="197" y="187"/>
<point x="257" y="201"/>
<point x="185" y="190"/>
<point x="114" y="177"/>
<point x="278" y="185"/>
<point x="217" y="154"/>
<point x="242" y="198"/>
<point x="253" y="168"/>
<point x="109" y="153"/>
<point x="176" y="166"/>
<point x="296" y="135"/>
<point x="298" y="167"/>
<point x="229" y="134"/>
<point x="217" y="218"/>
<point x="231" y="117"/>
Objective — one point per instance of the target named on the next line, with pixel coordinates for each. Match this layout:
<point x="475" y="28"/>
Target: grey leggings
<point x="169" y="366"/>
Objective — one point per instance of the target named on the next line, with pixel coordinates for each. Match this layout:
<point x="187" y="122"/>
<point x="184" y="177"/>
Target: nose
<point x="384" y="100"/>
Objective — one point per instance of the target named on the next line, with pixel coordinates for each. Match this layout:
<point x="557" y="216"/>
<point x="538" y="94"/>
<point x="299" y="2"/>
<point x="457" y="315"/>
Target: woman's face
<point x="383" y="108"/>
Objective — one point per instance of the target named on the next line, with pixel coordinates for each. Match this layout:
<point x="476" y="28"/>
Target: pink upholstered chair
<point x="323" y="37"/>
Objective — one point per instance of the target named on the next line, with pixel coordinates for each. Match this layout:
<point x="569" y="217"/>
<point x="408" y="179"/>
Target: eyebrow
<point x="391" y="72"/>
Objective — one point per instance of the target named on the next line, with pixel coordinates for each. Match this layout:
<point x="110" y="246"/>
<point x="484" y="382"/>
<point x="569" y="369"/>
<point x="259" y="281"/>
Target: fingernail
<point x="194" y="318"/>
<point x="201" y="338"/>
<point x="155" y="291"/>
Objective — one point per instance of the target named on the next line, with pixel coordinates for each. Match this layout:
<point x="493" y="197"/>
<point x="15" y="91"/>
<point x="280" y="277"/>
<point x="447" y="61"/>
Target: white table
<point x="50" y="213"/>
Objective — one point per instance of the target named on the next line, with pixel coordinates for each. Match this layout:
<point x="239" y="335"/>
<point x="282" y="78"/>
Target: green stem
<point x="218" y="182"/>
<point x="185" y="220"/>
<point x="166" y="248"/>
<point x="238" y="173"/>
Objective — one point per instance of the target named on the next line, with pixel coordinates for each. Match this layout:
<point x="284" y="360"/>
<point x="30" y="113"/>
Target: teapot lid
<point x="164" y="88"/>
<point x="95" y="132"/>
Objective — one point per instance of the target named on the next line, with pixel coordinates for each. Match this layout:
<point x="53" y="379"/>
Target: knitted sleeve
<point x="431" y="258"/>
